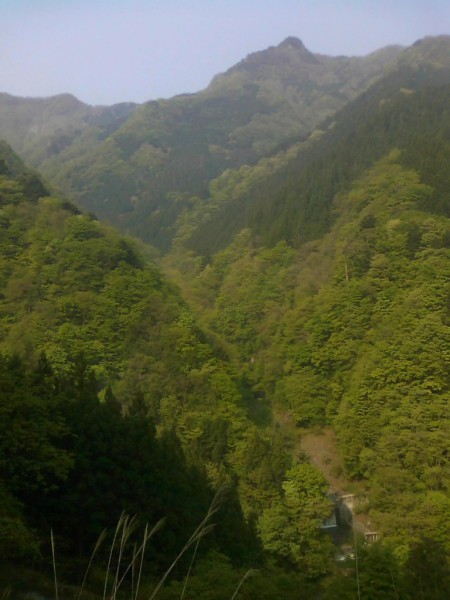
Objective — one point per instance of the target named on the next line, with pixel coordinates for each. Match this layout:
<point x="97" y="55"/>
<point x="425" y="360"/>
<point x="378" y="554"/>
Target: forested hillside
<point x="41" y="128"/>
<point x="139" y="167"/>
<point x="289" y="196"/>
<point x="114" y="399"/>
<point x="334" y="291"/>
<point x="309" y="234"/>
<point x="352" y="330"/>
<point x="135" y="172"/>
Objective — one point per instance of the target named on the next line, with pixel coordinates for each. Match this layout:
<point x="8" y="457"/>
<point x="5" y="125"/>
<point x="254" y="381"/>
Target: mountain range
<point x="129" y="163"/>
<point x="300" y="206"/>
<point x="136" y="165"/>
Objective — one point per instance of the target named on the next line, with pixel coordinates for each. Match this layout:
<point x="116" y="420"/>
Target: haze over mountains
<point x="132" y="164"/>
<point x="301" y="203"/>
<point x="179" y="145"/>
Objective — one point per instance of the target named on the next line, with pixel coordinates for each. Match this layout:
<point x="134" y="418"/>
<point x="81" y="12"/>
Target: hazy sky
<point x="107" y="51"/>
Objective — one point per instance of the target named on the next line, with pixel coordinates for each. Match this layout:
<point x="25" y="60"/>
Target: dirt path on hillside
<point x="320" y="446"/>
<point x="321" y="449"/>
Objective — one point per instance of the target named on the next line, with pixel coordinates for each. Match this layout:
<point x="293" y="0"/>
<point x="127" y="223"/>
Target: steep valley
<point x="278" y="325"/>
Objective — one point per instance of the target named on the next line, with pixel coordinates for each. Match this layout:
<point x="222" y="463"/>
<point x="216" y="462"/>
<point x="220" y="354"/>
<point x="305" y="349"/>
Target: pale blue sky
<point x="107" y="51"/>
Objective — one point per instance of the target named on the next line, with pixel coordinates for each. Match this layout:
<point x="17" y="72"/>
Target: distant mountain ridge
<point x="39" y="127"/>
<point x="129" y="163"/>
<point x="137" y="167"/>
<point x="289" y="197"/>
<point x="306" y="203"/>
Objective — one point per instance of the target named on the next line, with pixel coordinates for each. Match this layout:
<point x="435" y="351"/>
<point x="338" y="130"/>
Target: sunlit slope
<point x="289" y="196"/>
<point x="106" y="367"/>
<point x="71" y="287"/>
<point x="133" y="165"/>
<point x="353" y="330"/>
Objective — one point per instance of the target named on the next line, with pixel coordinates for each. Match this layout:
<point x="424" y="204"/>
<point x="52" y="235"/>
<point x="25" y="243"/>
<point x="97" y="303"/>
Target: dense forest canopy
<point x="132" y="165"/>
<point x="111" y="394"/>
<point x="301" y="204"/>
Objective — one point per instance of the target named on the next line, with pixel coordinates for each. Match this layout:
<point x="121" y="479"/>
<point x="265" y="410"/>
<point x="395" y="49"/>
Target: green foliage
<point x="375" y="576"/>
<point x="353" y="331"/>
<point x="136" y="165"/>
<point x="71" y="286"/>
<point x="31" y="430"/>
<point x="289" y="528"/>
<point x="293" y="200"/>
<point x="111" y="327"/>
<point x="87" y="464"/>
<point x="17" y="541"/>
<point x="306" y="394"/>
<point x="138" y="407"/>
<point x="214" y="578"/>
<point x="427" y="572"/>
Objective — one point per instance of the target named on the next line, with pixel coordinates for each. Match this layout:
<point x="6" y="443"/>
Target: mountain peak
<point x="293" y="42"/>
<point x="298" y="47"/>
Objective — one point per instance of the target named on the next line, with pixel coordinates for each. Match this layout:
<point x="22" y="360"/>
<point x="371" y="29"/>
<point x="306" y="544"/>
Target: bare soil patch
<point x="320" y="446"/>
